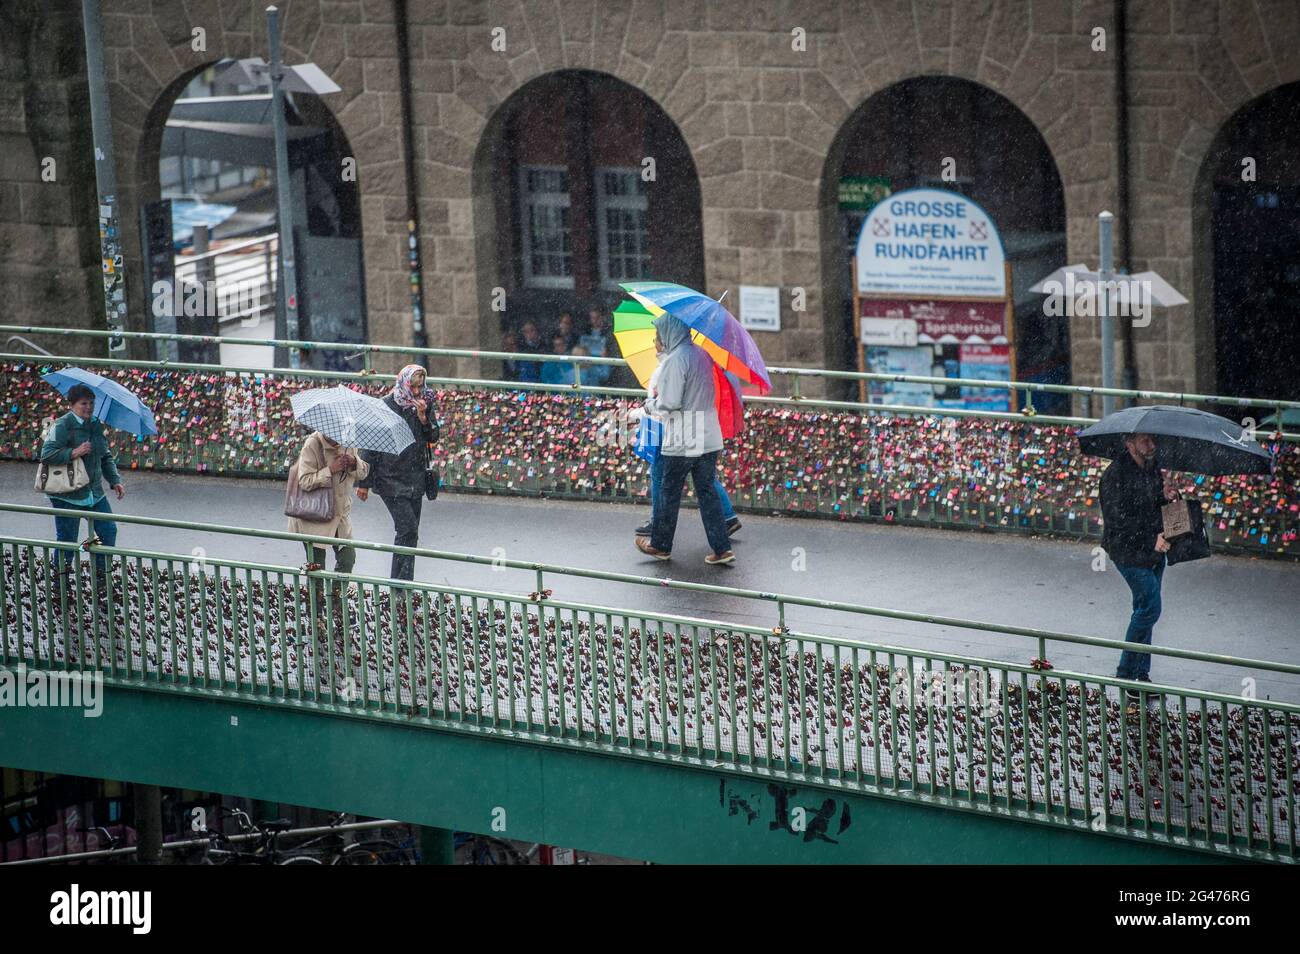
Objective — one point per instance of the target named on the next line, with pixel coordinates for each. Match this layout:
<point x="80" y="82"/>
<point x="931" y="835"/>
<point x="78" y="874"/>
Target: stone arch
<point x="329" y="244"/>
<point x="628" y="195"/>
<point x="151" y="58"/>
<point x="1248" y="341"/>
<point x="904" y="132"/>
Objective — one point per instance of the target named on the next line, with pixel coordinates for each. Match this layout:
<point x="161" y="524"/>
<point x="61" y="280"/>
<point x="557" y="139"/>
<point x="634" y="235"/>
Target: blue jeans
<point x="657" y="479"/>
<point x="66" y="528"/>
<point x="703" y="474"/>
<point x="1145" y="584"/>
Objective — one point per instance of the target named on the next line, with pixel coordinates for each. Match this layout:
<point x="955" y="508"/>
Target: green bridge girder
<point x="663" y="809"/>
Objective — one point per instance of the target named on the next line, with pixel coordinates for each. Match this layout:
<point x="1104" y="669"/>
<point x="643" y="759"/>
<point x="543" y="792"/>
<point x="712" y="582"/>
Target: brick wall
<point x="759" y="118"/>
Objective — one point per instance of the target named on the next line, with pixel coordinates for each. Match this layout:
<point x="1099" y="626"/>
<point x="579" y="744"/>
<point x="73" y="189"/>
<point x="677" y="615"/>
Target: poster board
<point x="930" y="273"/>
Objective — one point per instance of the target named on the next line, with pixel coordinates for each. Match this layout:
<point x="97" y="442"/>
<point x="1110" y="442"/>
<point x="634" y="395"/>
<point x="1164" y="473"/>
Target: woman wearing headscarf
<point x="399" y="478"/>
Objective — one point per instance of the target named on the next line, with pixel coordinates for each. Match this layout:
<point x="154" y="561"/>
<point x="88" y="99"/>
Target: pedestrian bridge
<point x="650" y="736"/>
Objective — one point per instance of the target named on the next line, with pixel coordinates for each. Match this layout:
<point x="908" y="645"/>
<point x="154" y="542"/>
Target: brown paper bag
<point x="1177" y="521"/>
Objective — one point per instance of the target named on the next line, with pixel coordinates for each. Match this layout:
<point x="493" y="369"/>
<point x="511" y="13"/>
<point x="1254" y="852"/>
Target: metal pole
<point x="101" y="125"/>
<point x="1105" y="276"/>
<point x="283" y="190"/>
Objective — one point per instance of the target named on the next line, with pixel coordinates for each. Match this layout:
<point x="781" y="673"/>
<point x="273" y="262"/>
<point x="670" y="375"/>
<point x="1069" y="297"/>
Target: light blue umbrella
<point x="114" y="405"/>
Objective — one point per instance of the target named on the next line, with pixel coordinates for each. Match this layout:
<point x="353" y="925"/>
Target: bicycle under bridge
<point x="659" y="737"/>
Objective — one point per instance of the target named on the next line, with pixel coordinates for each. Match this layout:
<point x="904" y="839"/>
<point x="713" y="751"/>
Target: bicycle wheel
<point x="493" y="851"/>
<point x="374" y="853"/>
<point x="300" y="860"/>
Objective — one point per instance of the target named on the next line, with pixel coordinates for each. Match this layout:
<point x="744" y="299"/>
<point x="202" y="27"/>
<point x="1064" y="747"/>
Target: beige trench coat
<point x="313" y="473"/>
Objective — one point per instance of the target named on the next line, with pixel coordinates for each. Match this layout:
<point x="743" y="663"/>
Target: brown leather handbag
<point x="315" y="506"/>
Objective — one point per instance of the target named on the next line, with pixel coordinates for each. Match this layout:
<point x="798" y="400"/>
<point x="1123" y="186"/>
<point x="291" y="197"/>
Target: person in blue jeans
<point x="649" y="436"/>
<point x="1144" y="582"/>
<point x="78" y="434"/>
<point x="1133" y="489"/>
<point x="656" y="482"/>
<point x="683" y="402"/>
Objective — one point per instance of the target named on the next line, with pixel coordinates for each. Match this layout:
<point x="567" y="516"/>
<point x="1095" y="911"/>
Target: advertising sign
<point x="958" y="320"/>
<point x="930" y="242"/>
<point x="893" y="360"/>
<point x="986" y="362"/>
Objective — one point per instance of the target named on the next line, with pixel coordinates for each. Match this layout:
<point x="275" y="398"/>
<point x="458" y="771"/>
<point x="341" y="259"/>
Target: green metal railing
<point x="1200" y="769"/>
<point x="368" y="351"/>
<point x="851" y="487"/>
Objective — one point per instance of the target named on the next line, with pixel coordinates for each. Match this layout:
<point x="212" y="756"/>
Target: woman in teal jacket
<point x="78" y="434"/>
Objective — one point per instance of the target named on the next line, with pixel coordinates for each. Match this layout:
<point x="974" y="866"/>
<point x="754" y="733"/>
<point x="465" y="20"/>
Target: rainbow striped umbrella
<point x="713" y="328"/>
<point x="635" y="333"/>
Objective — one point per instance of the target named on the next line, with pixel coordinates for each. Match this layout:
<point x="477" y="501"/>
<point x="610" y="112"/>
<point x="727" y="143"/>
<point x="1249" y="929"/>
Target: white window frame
<point x="528" y="199"/>
<point x="640" y="201"/>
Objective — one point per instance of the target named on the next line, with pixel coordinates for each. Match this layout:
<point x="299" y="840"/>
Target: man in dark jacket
<point x="1133" y="489"/>
<point x="399" y="478"/>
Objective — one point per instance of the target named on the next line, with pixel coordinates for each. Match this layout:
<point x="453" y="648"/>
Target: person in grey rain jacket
<point x="692" y="438"/>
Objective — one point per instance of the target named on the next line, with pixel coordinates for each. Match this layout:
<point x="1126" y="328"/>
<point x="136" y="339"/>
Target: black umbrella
<point x="1186" y="439"/>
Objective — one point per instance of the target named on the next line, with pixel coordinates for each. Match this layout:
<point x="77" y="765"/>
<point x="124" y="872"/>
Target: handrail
<point x="204" y="256"/>
<point x="31" y="344"/>
<point x="1205" y="770"/>
<point x="1180" y="397"/>
<point x="781" y="599"/>
<point x="633" y="393"/>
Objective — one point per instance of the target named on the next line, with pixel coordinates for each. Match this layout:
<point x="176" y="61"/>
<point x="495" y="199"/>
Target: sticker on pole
<point x="930" y="242"/>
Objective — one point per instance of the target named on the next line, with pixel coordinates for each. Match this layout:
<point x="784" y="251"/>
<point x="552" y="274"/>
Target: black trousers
<point x="405" y="512"/>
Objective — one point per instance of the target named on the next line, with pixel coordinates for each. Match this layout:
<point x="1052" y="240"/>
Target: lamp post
<point x="1065" y="280"/>
<point x="1105" y="276"/>
<point x="101" y="125"/>
<point x="304" y="78"/>
<point x="283" y="191"/>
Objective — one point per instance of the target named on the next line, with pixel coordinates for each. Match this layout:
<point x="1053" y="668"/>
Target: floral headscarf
<point x="402" y="393"/>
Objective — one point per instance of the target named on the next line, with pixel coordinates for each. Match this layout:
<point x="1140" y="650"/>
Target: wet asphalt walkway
<point x="1238" y="605"/>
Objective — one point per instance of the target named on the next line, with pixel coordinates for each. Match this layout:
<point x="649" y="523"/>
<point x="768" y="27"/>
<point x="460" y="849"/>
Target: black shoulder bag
<point x="1194" y="545"/>
<point x="432" y="477"/>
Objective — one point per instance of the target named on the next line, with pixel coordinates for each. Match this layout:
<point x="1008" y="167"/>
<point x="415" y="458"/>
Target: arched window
<point x="216" y="187"/>
<point x="581" y="182"/>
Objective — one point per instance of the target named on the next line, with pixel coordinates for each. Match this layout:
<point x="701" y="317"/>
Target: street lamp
<point x="305" y="78"/>
<point x="1103" y="282"/>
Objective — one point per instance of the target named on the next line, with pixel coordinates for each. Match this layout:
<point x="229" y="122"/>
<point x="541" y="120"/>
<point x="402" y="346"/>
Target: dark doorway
<point x="1255" y="235"/>
<point x="907" y="136"/>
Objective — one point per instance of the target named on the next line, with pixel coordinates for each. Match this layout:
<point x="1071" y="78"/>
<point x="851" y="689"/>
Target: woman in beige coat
<point x="323" y="462"/>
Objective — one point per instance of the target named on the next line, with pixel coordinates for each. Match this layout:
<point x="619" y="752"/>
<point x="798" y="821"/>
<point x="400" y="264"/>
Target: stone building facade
<point x="761" y="115"/>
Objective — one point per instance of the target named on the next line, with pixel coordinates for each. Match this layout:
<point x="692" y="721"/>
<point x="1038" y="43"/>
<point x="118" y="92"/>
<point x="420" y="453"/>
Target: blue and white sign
<point x="930" y="242"/>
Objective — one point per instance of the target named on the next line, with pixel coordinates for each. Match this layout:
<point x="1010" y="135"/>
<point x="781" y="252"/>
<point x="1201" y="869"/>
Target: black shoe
<point x="733" y="525"/>
<point x="644" y="530"/>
